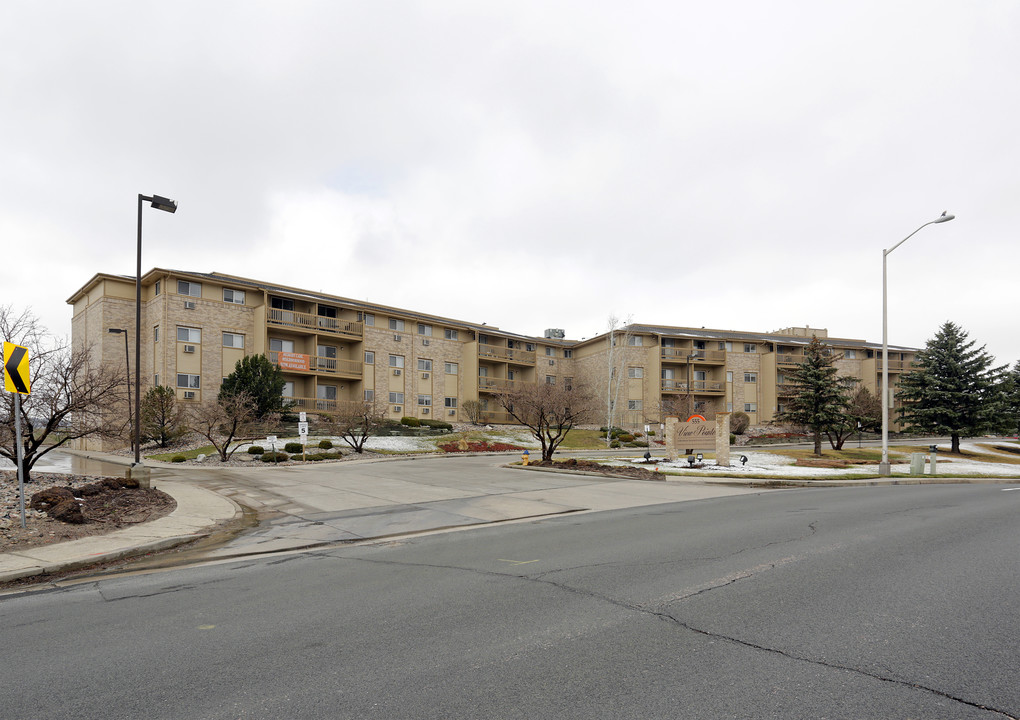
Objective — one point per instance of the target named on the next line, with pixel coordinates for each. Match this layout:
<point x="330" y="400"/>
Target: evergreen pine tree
<point x="952" y="389"/>
<point x="261" y="379"/>
<point x="1010" y="393"/>
<point x="820" y="395"/>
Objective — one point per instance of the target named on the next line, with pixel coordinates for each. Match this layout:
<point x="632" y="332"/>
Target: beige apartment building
<point x="196" y="326"/>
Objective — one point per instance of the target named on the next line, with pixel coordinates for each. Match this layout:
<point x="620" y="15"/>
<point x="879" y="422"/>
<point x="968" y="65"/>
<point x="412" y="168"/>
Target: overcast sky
<point x="734" y="165"/>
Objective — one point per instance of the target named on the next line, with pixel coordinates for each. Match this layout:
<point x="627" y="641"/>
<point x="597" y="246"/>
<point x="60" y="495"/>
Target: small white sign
<point x="302" y="429"/>
<point x="271" y="440"/>
<point x="301" y="416"/>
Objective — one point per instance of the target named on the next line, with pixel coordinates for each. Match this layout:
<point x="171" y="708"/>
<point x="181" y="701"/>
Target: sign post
<point x="302" y="428"/>
<point x="16" y="380"/>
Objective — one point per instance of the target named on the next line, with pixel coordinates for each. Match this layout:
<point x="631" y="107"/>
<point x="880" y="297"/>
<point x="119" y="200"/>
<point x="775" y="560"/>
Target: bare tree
<point x="354" y="422"/>
<point x="221" y="422"/>
<point x="615" y="364"/>
<point x="472" y="409"/>
<point x="162" y="416"/>
<point x="862" y="410"/>
<point x="72" y="394"/>
<point x="549" y="411"/>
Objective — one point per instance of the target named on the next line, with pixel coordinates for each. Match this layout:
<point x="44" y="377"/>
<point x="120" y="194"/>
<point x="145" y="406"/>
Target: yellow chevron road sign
<point x="16" y="369"/>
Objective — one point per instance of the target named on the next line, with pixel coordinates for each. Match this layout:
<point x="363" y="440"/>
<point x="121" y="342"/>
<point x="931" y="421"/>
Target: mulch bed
<point x="638" y="473"/>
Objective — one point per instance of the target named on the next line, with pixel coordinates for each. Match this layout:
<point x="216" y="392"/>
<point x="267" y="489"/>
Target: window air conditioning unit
<point x="424" y="411"/>
<point x="189" y="394"/>
<point x="424" y="376"/>
<point x="189" y="348"/>
<point x="189" y="304"/>
<point x="396" y="408"/>
<point x="424" y="342"/>
<point x="396" y="338"/>
<point x="452" y="412"/>
<point x="552" y="362"/>
<point x="396" y="372"/>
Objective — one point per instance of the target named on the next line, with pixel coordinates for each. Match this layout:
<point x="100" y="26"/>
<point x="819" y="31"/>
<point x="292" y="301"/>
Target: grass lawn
<point x="189" y="454"/>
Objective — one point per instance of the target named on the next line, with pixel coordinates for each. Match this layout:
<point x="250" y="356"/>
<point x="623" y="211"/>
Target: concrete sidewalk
<point x="198" y="510"/>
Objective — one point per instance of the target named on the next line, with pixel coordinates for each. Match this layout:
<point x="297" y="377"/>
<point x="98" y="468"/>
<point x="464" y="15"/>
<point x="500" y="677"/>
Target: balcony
<point x="786" y="389"/>
<point x="493" y="385"/>
<point x="680" y="355"/>
<point x="497" y="352"/>
<point x="789" y="359"/>
<point x="698" y="387"/>
<point x="894" y="365"/>
<point x="317" y="364"/>
<point x="314" y="323"/>
<point x="311" y="404"/>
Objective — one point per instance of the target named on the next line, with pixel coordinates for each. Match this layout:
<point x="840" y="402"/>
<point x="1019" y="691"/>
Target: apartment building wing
<point x="665" y="368"/>
<point x="196" y="326"/>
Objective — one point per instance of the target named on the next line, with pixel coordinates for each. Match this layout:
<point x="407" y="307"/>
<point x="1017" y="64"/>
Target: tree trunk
<point x="956" y="444"/>
<point x="818" y="443"/>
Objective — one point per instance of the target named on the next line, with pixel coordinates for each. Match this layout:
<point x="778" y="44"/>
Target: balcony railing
<point x="297" y="362"/>
<point x="698" y="387"/>
<point x="786" y="389"/>
<point x="894" y="365"/>
<point x="489" y="384"/>
<point x="717" y="357"/>
<point x="314" y="323"/>
<point x="312" y="404"/>
<point x="789" y="359"/>
<point x="497" y="352"/>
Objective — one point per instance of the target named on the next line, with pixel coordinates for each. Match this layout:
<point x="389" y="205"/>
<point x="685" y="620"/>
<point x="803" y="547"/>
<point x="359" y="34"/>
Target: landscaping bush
<point x="293" y="447"/>
<point x="739" y="422"/>
<point x="275" y="457"/>
<point x="315" y="457"/>
<point x="626" y="438"/>
<point x="639" y="443"/>
<point x="733" y="438"/>
<point x="256" y="450"/>
<point x="651" y="433"/>
<point x="436" y="424"/>
<point x="178" y="458"/>
<point x="479" y="446"/>
<point x="614" y="444"/>
<point x="410" y="421"/>
<point x="326" y="444"/>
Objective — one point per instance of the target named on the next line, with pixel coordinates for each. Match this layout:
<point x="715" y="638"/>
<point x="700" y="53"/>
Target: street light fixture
<point x="127" y="369"/>
<point x="170" y="206"/>
<point x="883" y="467"/>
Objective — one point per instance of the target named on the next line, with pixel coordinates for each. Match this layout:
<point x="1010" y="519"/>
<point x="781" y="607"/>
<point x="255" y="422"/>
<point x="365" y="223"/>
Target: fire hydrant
<point x="524" y="458"/>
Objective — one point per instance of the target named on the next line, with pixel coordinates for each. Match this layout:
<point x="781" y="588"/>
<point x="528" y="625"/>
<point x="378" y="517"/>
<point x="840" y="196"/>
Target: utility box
<point x="917" y="463"/>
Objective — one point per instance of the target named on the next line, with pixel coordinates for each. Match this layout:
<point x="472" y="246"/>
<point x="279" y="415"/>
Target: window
<point x="699" y="344"/>
<point x="396" y="324"/>
<point x="722" y="345"/>
<point x="729" y="376"/>
<point x="279" y="303"/>
<point x="750" y="377"/>
<point x="424" y="401"/>
<point x="370" y="396"/>
<point x="189" y="334"/>
<point x="750" y="347"/>
<point x="780" y="379"/>
<point x="530" y="347"/>
<point x="568" y="353"/>
<point x="233" y="296"/>
<point x="326" y="392"/>
<point x="450" y="402"/>
<point x="700" y="375"/>
<point x="279" y="345"/>
<point x="699" y="405"/>
<point x="483" y="372"/>
<point x="424" y="365"/>
<point x="369" y="357"/>
<point x="396" y="361"/>
<point x="327" y="311"/>
<point x="550" y="379"/>
<point x="729" y="407"/>
<point x="668" y="373"/>
<point x="425" y="330"/>
<point x="189" y="288"/>
<point x="729" y="347"/>
<point x="158" y="289"/>
<point x="633" y="404"/>
<point x="184" y="380"/>
<point x="233" y="340"/>
<point x="288" y="390"/>
<point x="550" y="352"/>
<point x="366" y="318"/>
<point x="750" y="407"/>
<point x="155" y="379"/>
<point x="450" y="334"/>
<point x="397" y="398"/>
<point x="155" y="334"/>
<point x="850" y="354"/>
<point x="668" y="342"/>
<point x="328" y="352"/>
<point x="483" y="339"/>
<point x="635" y="372"/>
<point x="451" y="368"/>
<point x="635" y="340"/>
<point x="568" y="383"/>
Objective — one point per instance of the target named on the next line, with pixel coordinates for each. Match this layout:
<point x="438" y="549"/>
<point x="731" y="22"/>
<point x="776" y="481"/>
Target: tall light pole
<point x="127" y="369"/>
<point x="883" y="467"/>
<point x="170" y="206"/>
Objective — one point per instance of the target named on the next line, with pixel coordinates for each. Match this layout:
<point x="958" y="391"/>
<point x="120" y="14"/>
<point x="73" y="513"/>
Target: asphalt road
<point x="891" y="602"/>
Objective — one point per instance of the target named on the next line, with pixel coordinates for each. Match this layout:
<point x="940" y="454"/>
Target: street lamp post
<point x="170" y="206"/>
<point x="883" y="467"/>
<point x="127" y="369"/>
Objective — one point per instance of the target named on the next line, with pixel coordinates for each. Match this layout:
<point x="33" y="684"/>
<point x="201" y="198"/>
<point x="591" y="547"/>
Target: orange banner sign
<point x="293" y="361"/>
